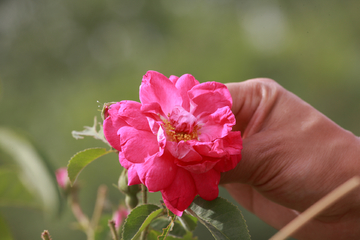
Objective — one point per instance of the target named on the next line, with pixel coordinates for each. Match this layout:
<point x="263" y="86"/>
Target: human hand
<point x="293" y="156"/>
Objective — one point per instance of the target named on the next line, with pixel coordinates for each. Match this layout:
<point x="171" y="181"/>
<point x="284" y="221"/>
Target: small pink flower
<point x="178" y="139"/>
<point x="62" y="177"/>
<point x="119" y="216"/>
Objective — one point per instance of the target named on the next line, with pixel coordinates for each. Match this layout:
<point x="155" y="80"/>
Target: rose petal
<point x="233" y="146"/>
<point x="173" y="78"/>
<point x="208" y="97"/>
<point x="171" y="208"/>
<point x="133" y="177"/>
<point x="184" y="84"/>
<point x="153" y="112"/>
<point x="124" y="162"/>
<point x="130" y="112"/>
<point x="155" y="87"/>
<point x="227" y="163"/>
<point x="207" y="184"/>
<point x="228" y="145"/>
<point x="157" y="172"/>
<point x="204" y="166"/>
<point x="183" y="152"/>
<point x="217" y="124"/>
<point x="180" y="194"/>
<point x="111" y="125"/>
<point x="212" y="149"/>
<point x="137" y="144"/>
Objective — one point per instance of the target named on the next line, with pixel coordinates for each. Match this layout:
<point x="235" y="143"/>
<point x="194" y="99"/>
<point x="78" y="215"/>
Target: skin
<point x="293" y="156"/>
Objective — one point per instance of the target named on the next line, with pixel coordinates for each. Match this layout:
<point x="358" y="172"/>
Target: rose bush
<point x="178" y="139"/>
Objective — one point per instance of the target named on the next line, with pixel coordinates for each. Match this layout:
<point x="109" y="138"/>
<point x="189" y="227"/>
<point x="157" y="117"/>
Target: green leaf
<point x="81" y="159"/>
<point x="139" y="218"/>
<point x="167" y="229"/>
<point x="13" y="192"/>
<point x="5" y="233"/>
<point x="91" y="132"/>
<point x="189" y="222"/>
<point x="153" y="235"/>
<point x="223" y="219"/>
<point x="33" y="170"/>
<point x="162" y="222"/>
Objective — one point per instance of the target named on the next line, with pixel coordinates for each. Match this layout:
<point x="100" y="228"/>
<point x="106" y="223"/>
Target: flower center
<point x="176" y="136"/>
<point x="181" y="125"/>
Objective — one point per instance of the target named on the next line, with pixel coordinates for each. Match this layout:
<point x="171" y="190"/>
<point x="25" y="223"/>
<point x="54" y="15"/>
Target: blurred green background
<point x="59" y="57"/>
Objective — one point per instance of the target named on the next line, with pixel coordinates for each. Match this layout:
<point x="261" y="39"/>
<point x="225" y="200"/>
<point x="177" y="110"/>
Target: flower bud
<point x="62" y="177"/>
<point x="131" y="201"/>
<point x="120" y="215"/>
<point x="124" y="187"/>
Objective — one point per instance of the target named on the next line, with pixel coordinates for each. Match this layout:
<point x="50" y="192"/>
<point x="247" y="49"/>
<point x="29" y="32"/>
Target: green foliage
<point x="91" y="132"/>
<point x="34" y="181"/>
<point x="13" y="192"/>
<point x="154" y="235"/>
<point x="5" y="233"/>
<point x="163" y="222"/>
<point x="167" y="229"/>
<point x="223" y="219"/>
<point x="139" y="219"/>
<point x="81" y="159"/>
<point x="189" y="222"/>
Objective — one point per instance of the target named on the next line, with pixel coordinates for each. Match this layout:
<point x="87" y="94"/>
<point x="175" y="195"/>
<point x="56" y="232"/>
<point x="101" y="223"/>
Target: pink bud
<point x="62" y="177"/>
<point x="120" y="215"/>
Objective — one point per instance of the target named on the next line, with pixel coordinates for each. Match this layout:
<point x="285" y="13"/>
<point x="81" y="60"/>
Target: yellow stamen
<point x="179" y="136"/>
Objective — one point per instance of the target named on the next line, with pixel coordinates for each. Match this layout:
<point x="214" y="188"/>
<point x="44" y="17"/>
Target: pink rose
<point x="62" y="177"/>
<point x="178" y="139"/>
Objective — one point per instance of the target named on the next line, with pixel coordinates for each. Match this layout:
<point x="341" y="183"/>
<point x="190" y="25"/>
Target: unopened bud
<point x="131" y="201"/>
<point x="123" y="184"/>
<point x="62" y="177"/>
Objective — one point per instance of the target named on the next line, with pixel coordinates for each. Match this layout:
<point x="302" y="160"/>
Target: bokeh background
<point x="59" y="57"/>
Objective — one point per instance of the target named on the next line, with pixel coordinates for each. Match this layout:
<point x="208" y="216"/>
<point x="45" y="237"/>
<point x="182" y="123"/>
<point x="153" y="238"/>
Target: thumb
<point x="253" y="101"/>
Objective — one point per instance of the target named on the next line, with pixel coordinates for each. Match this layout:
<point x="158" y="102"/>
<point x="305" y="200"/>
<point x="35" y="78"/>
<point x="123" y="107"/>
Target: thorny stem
<point x="113" y="230"/>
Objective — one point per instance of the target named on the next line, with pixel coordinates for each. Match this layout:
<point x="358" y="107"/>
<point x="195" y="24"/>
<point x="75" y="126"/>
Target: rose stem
<point x="315" y="209"/>
<point x="144" y="201"/>
<point x="114" y="234"/>
<point x="99" y="205"/>
<point x="144" y="194"/>
<point x="76" y="209"/>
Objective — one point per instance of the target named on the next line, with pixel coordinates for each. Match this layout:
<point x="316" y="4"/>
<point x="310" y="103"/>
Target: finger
<point x="252" y="100"/>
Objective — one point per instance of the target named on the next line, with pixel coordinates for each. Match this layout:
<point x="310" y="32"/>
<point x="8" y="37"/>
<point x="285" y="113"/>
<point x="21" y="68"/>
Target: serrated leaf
<point x="189" y="222"/>
<point x="5" y="233"/>
<point x="153" y="235"/>
<point x="223" y="219"/>
<point x="139" y="218"/>
<point x="91" y="132"/>
<point x="34" y="172"/>
<point x="167" y="230"/>
<point x="162" y="222"/>
<point x="81" y="159"/>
